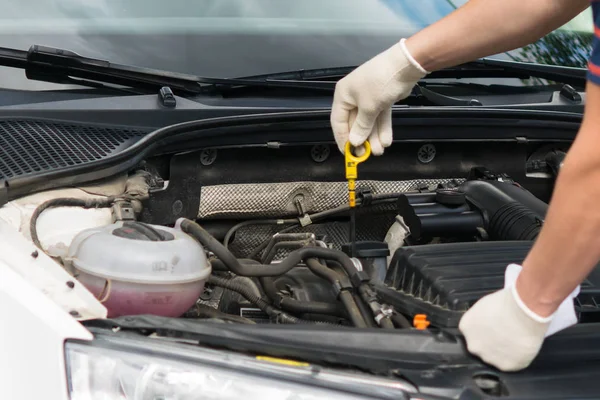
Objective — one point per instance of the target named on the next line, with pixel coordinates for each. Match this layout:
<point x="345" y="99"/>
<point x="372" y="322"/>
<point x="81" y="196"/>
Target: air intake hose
<point x="509" y="211"/>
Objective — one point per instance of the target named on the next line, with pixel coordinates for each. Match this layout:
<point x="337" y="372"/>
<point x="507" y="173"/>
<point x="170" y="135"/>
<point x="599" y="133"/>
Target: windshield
<point x="231" y="38"/>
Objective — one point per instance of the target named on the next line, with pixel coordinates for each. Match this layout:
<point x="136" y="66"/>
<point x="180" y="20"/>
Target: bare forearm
<point x="568" y="247"/>
<point x="485" y="27"/>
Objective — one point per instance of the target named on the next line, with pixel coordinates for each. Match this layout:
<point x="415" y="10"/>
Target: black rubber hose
<point x="465" y="223"/>
<point x="278" y="315"/>
<point x="63" y="202"/>
<point x="292" y="305"/>
<point x="509" y="211"/>
<point x="400" y="321"/>
<point x="234" y="228"/>
<point x="322" y="271"/>
<point x="350" y="303"/>
<point x="293" y="259"/>
<point x="248" y="294"/>
<point x="255" y="253"/>
<point x="145" y="230"/>
<point x="386" y="323"/>
<point x="264" y="244"/>
<point x="292" y="245"/>
<point x="218" y="265"/>
<point x="353" y="310"/>
<point x="364" y="311"/>
<point x="369" y="296"/>
<point x="297" y="306"/>
<point x="437" y="208"/>
<point x="285" y="238"/>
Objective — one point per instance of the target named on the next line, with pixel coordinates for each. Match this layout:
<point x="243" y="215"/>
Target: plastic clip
<point x="420" y="322"/>
<point x="166" y="97"/>
<point x="365" y="196"/>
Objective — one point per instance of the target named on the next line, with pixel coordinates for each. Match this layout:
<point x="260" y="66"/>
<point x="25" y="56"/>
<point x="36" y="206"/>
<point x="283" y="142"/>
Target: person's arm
<point x="507" y="328"/>
<point x="363" y="99"/>
<point x="485" y="27"/>
<point x="568" y="246"/>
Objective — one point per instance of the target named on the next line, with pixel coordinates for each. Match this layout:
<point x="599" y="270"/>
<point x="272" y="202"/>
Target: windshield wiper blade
<point x="306" y="79"/>
<point x="50" y="64"/>
<point x="55" y="65"/>
<point x="419" y="92"/>
<point x="63" y="66"/>
<point x="490" y="68"/>
<point x="482" y="68"/>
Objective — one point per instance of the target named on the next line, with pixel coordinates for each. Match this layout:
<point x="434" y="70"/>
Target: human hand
<point x="504" y="332"/>
<point x="362" y="103"/>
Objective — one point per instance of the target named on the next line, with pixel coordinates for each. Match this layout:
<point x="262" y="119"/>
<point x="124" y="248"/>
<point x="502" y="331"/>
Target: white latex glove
<point x="503" y="331"/>
<point x="563" y="317"/>
<point x="362" y="103"/>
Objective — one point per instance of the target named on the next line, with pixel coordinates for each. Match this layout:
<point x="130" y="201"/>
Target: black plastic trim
<point x="568" y="365"/>
<point x="293" y="127"/>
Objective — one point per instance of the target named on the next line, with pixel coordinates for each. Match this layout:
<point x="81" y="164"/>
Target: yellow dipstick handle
<point x="352" y="162"/>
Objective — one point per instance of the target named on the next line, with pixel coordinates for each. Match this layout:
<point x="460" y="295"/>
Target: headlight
<point x="142" y="373"/>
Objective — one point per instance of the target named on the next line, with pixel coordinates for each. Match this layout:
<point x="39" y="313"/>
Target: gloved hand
<point x="504" y="332"/>
<point x="564" y="315"/>
<point x="362" y="103"/>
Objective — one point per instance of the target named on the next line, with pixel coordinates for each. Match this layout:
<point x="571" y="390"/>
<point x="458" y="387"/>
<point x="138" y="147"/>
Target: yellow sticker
<point x="283" y="361"/>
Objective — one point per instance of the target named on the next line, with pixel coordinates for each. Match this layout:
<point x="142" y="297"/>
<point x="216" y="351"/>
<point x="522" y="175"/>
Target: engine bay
<point x="215" y="235"/>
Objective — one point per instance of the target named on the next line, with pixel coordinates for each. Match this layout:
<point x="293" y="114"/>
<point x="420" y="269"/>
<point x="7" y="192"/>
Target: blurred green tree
<point x="566" y="48"/>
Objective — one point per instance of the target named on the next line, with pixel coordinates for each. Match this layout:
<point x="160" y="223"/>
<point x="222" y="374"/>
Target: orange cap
<point x="420" y="322"/>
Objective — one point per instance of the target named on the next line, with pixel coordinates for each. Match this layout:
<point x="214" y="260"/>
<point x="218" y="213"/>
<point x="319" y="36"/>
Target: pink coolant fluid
<point x="135" y="268"/>
<point x="123" y="298"/>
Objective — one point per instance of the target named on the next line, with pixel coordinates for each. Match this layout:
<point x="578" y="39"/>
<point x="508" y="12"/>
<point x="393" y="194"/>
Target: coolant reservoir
<point x="135" y="268"/>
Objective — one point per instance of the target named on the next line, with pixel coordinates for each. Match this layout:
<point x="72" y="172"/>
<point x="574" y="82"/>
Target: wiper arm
<point x="439" y="99"/>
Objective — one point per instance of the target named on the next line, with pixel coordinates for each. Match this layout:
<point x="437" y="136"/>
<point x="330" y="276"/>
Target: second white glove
<point x="563" y="317"/>
<point x="362" y="103"/>
<point x="502" y="331"/>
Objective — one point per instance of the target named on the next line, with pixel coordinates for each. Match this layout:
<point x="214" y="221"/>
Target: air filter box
<point x="444" y="280"/>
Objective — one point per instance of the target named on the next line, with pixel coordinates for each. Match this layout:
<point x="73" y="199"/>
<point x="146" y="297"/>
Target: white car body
<point x="40" y="305"/>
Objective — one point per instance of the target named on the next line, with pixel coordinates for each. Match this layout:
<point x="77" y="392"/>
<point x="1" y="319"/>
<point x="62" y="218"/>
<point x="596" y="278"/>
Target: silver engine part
<point x="277" y="200"/>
